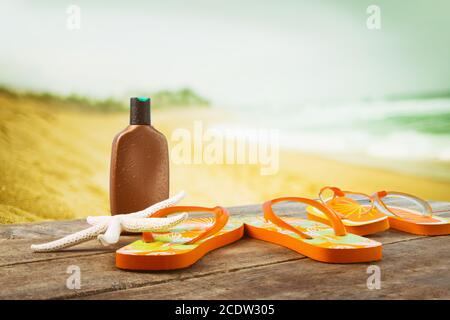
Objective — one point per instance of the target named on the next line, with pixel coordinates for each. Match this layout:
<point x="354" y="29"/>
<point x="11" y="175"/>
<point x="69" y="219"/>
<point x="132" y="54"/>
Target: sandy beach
<point x="54" y="164"/>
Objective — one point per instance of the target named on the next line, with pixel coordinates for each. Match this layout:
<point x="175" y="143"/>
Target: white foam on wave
<point x="398" y="145"/>
<point x="343" y="129"/>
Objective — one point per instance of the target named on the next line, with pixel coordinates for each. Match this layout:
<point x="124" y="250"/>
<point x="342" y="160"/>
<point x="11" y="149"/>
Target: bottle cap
<point x="140" y="110"/>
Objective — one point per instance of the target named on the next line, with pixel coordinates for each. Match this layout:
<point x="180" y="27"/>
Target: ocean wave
<point x="409" y="129"/>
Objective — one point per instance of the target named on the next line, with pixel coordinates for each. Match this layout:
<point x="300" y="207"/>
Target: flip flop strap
<point x="336" y="223"/>
<point x="220" y="213"/>
<point x="381" y="205"/>
<point x="338" y="193"/>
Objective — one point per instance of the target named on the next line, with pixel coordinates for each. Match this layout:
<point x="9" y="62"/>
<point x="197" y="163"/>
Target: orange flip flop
<point x="184" y="245"/>
<point x="419" y="220"/>
<point x="356" y="211"/>
<point x="312" y="239"/>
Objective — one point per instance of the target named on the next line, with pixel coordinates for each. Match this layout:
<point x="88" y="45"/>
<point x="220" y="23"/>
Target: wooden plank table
<point x="413" y="267"/>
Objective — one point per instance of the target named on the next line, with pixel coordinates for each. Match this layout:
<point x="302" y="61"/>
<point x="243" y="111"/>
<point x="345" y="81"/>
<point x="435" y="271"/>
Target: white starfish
<point x="107" y="229"/>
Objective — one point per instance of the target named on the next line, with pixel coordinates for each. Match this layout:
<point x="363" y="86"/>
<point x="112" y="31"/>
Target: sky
<point x="233" y="52"/>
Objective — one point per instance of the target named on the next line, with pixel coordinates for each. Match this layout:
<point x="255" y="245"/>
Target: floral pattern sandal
<point x="315" y="240"/>
<point x="184" y="244"/>
<point x="356" y="211"/>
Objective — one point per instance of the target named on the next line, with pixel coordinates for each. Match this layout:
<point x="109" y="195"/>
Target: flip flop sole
<point x="361" y="230"/>
<point x="158" y="255"/>
<point x="326" y="248"/>
<point x="419" y="229"/>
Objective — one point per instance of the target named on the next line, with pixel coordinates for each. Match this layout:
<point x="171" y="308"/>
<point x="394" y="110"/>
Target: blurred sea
<point x="403" y="131"/>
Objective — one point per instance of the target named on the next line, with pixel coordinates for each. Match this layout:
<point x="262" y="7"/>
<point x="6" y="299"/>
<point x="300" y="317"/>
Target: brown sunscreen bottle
<point x="139" y="174"/>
